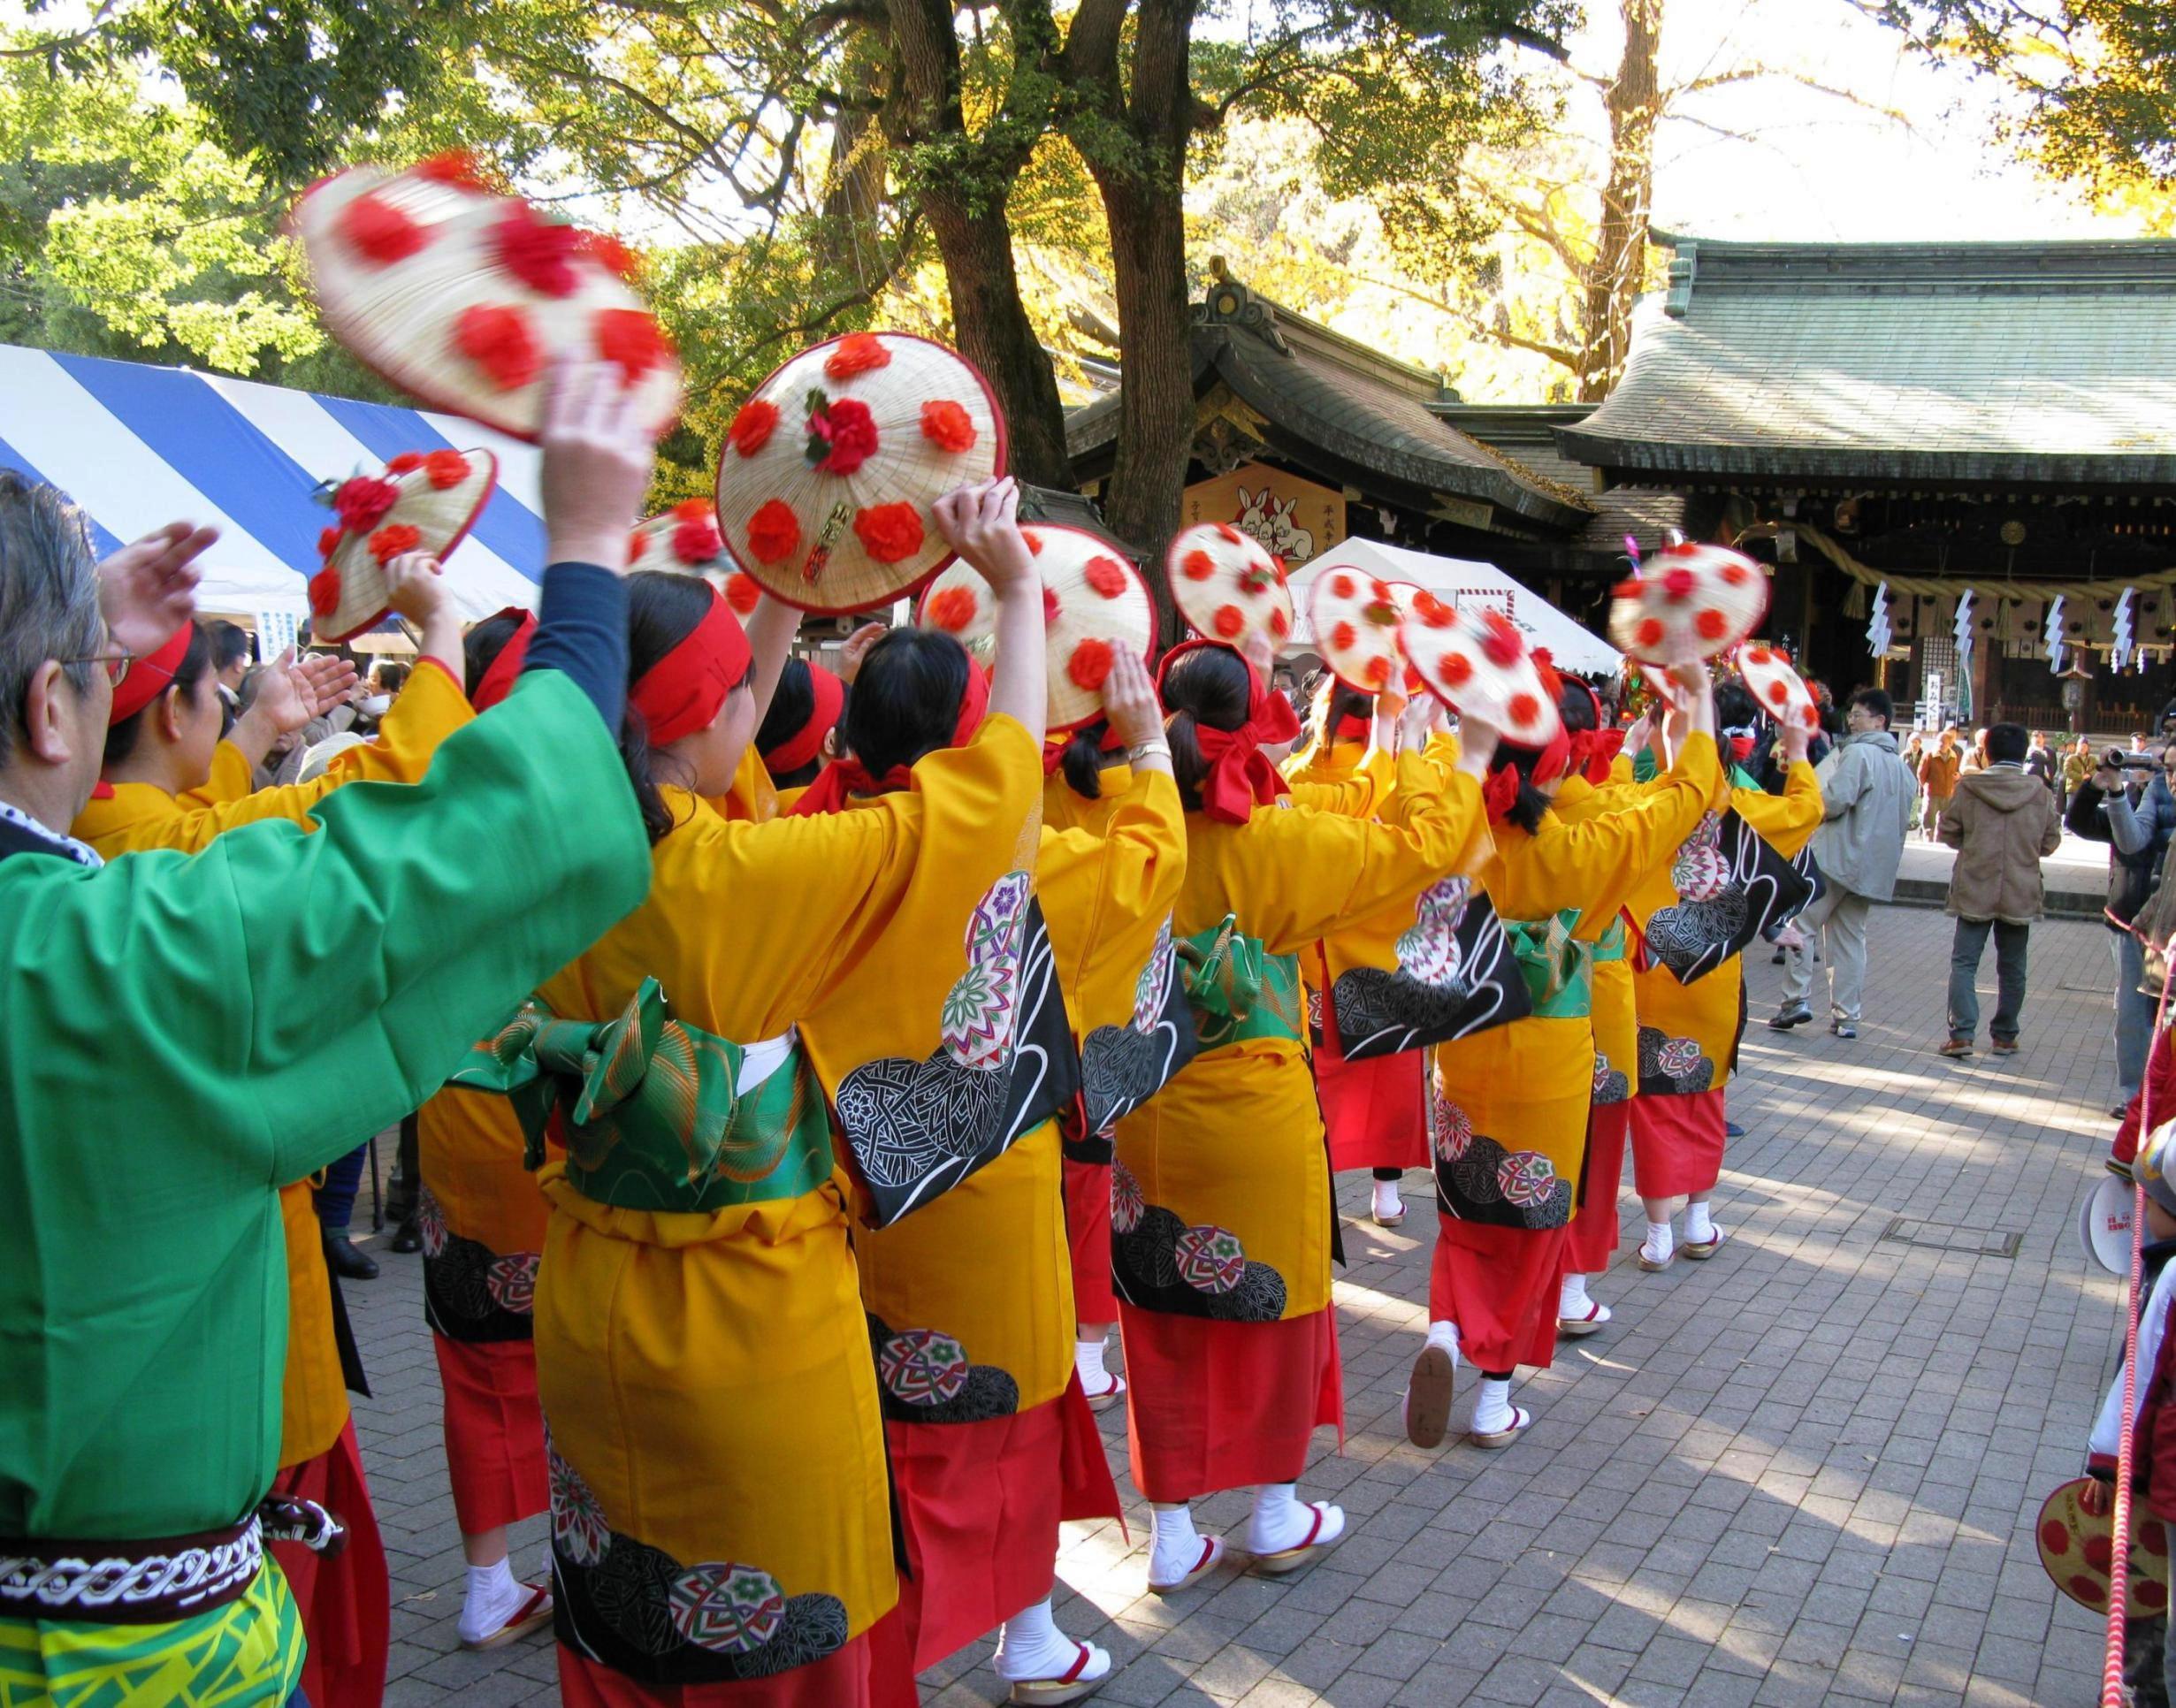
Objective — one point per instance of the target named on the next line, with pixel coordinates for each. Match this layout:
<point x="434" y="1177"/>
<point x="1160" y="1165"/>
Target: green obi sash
<point x="1611" y="945"/>
<point x="1558" y="970"/>
<point x="1237" y="988"/>
<point x="655" y="1120"/>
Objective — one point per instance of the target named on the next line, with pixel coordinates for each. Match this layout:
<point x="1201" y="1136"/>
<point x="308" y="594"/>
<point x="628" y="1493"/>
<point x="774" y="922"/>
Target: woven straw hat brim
<point x="441" y="516"/>
<point x="1511" y="697"/>
<point x="653" y="549"/>
<point x="1356" y="619"/>
<point x="1204" y="567"/>
<point x="1780" y="691"/>
<point x="1077" y="614"/>
<point x="1727" y="599"/>
<point x="400" y="317"/>
<point x="830" y="569"/>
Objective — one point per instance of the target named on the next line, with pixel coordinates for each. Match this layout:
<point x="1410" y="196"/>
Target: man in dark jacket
<point x="2002" y="823"/>
<point x="2133" y="812"/>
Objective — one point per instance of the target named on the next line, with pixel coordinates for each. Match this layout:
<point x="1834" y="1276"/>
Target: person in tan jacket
<point x="1938" y="777"/>
<point x="2002" y="823"/>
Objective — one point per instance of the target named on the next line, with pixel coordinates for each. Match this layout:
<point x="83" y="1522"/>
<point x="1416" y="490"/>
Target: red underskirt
<point x="1374" y="1110"/>
<point x="1593" y="1237"/>
<point x="344" y="1601"/>
<point x="839" y="1680"/>
<point x="980" y="1504"/>
<point x="1212" y="1406"/>
<point x="494" y="1430"/>
<point x="1088" y="1229"/>
<point x="1677" y="1143"/>
<point x="1500" y="1285"/>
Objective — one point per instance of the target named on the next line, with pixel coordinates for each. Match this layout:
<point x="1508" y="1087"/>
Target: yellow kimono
<point x="1610" y="1002"/>
<point x="1511" y="1102"/>
<point x="720" y="1508"/>
<point x="123" y="817"/>
<point x="314" y="1391"/>
<point x="1688" y="1034"/>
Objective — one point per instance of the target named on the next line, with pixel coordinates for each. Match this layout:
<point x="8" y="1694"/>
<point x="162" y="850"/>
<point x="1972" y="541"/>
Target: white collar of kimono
<point x="81" y="853"/>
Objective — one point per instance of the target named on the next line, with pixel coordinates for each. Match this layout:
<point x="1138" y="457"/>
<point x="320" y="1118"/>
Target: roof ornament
<point x="1228" y="302"/>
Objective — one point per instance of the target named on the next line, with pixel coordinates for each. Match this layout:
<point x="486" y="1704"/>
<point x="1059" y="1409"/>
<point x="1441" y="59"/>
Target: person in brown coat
<point x="2002" y="823"/>
<point x="1938" y="777"/>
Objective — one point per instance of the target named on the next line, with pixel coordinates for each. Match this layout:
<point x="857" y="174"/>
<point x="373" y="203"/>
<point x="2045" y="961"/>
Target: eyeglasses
<point x="117" y="665"/>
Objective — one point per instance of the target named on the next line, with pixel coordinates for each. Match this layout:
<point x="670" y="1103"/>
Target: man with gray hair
<point x="180" y="1033"/>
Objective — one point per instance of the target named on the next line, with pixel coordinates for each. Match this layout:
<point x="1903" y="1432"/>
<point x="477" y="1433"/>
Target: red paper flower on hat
<point x="1050" y="606"/>
<point x="1501" y="645"/>
<point x="947" y="426"/>
<point x="329" y="540"/>
<point x="501" y="341"/>
<point x="537" y="251"/>
<point x="695" y="510"/>
<point x="1524" y="708"/>
<point x="857" y="352"/>
<point x="1650" y="632"/>
<point x="406" y="462"/>
<point x="952" y="608"/>
<point x="1341" y="586"/>
<point x="631" y="339"/>
<point x="1197" y="565"/>
<point x="1343" y="636"/>
<point x="1678" y="584"/>
<point x="379" y="232"/>
<point x="392" y="539"/>
<point x="610" y="253"/>
<point x="743" y="592"/>
<point x="637" y="542"/>
<point x="1231" y="535"/>
<point x="1034" y="542"/>
<point x="1779" y="693"/>
<point x="446" y="469"/>
<point x="455" y="166"/>
<point x="1090" y="664"/>
<point x="325" y="591"/>
<point x="842" y="436"/>
<point x="1457" y="669"/>
<point x="1711" y="624"/>
<point x="1230" y="621"/>
<point x="774" y="531"/>
<point x="1280" y="625"/>
<point x="890" y="533"/>
<point x="1105" y="575"/>
<point x="697" y="540"/>
<point x="1377" y="673"/>
<point x="1433" y="611"/>
<point x="753" y="427"/>
<point x="363" y="500"/>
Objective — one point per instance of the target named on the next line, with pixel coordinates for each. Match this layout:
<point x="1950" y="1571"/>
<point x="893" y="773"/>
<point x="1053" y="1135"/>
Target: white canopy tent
<point x="1466" y="586"/>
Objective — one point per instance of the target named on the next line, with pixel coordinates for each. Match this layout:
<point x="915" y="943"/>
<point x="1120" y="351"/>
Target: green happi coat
<point x="179" y="1035"/>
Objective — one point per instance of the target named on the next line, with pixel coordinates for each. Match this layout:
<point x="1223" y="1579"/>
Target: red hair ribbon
<point x="1054" y="749"/>
<point x="149" y="676"/>
<point x="1351" y="727"/>
<point x="497" y="681"/>
<point x="845" y="777"/>
<point x="1240" y="776"/>
<point x="682" y="692"/>
<point x="1500" y="792"/>
<point x="1594" y="751"/>
<point x="807" y="741"/>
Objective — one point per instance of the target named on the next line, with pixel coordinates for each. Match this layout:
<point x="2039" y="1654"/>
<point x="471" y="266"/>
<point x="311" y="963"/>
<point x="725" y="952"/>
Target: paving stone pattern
<point x="1803" y="1472"/>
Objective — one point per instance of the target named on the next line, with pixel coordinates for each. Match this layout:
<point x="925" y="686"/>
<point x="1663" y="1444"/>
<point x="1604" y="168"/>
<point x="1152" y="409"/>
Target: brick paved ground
<point x="1802" y="1472"/>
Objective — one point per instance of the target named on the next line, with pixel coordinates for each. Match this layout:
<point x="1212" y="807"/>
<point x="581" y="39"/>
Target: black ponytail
<point x="1082" y="760"/>
<point x="1529" y="806"/>
<point x="1211" y="685"/>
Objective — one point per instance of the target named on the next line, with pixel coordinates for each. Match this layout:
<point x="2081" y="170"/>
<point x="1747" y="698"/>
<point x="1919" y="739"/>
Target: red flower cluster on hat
<point x="1089" y="666"/>
<point x="889" y="533"/>
<point x="446" y="469"/>
<point x="325" y="591"/>
<point x="842" y="436"/>
<point x="537" y="251"/>
<point x="1106" y="575"/>
<point x="696" y="539"/>
<point x="947" y="426"/>
<point x="753" y="425"/>
<point x="857" y="352"/>
<point x="363" y="500"/>
<point x="501" y="341"/>
<point x="392" y="539"/>
<point x="633" y="341"/>
<point x="612" y="255"/>
<point x="774" y="531"/>
<point x="455" y="166"/>
<point x="380" y="232"/>
<point x="743" y="592"/>
<point x="951" y="608"/>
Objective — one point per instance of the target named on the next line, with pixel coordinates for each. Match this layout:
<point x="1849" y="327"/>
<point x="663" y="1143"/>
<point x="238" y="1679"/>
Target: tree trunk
<point x="1143" y="206"/>
<point x="1635" y="107"/>
<point x="966" y="210"/>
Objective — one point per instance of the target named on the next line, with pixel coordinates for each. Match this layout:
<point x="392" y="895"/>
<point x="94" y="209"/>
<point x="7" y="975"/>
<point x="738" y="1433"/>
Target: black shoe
<point x="1790" y="1015"/>
<point x="406" y="1237"/>
<point x="1731" y="1130"/>
<point x="1777" y="959"/>
<point x="348" y="1261"/>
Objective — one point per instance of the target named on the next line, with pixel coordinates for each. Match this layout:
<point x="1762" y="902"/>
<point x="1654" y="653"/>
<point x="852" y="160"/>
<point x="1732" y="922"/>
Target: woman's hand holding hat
<point x="598" y="458"/>
<point x="415" y="589"/>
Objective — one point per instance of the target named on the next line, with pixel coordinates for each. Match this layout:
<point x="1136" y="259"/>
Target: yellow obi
<point x="130" y="816"/>
<point x="313" y="1396"/>
<point x="1220" y="1197"/>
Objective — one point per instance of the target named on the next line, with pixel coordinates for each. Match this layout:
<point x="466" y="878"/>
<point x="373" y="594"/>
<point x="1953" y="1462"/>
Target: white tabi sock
<point x="1088" y="1358"/>
<point x="1387" y="1199"/>
<point x="1174" y="1549"/>
<point x="1031" y="1646"/>
<point x="1698" y="1229"/>
<point x="492" y="1596"/>
<point x="1492" y="1406"/>
<point x="1572" y="1303"/>
<point x="1445" y="1335"/>
<point x="1282" y="1521"/>
<point x="1658" y="1244"/>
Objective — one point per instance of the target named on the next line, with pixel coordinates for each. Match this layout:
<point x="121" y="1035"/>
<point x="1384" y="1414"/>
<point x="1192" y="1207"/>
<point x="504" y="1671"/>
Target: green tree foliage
<point x="2095" y="80"/>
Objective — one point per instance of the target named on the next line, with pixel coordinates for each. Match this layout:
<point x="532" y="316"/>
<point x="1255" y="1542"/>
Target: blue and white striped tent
<point x="138" y="446"/>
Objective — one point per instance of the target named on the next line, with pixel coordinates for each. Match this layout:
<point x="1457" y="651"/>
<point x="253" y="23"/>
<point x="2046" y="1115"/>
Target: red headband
<point x="682" y="692"/>
<point x="848" y="776"/>
<point x="147" y="677"/>
<point x="806" y="743"/>
<point x="1351" y="727"/>
<point x="497" y="681"/>
<point x="1240" y="776"/>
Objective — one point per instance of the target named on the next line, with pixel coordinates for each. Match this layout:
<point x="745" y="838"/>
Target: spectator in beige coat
<point x="2002" y="823"/>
